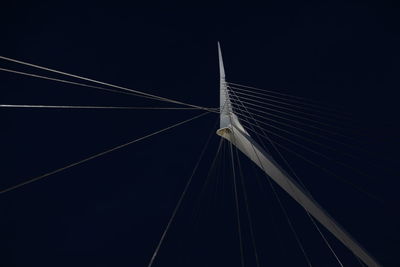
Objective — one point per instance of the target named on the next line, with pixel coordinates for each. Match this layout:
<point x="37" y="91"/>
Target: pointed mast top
<point x="227" y="117"/>
<point x="221" y="63"/>
<point x="224" y="102"/>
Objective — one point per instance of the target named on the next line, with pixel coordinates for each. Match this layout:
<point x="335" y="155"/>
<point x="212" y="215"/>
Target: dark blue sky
<point x="111" y="211"/>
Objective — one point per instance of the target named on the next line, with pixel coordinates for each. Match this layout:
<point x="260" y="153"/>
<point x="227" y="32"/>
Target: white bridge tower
<point x="232" y="130"/>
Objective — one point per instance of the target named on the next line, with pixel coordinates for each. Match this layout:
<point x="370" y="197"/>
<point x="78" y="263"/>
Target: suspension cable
<point x="103" y="83"/>
<point x="175" y="211"/>
<point x="91" y="107"/>
<point x="97" y="155"/>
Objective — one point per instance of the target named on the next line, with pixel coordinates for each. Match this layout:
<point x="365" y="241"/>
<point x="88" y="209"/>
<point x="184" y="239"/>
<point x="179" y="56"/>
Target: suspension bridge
<point x="246" y="117"/>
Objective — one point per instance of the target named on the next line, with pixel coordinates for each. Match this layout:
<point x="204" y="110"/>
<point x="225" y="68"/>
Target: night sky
<point x="111" y="211"/>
